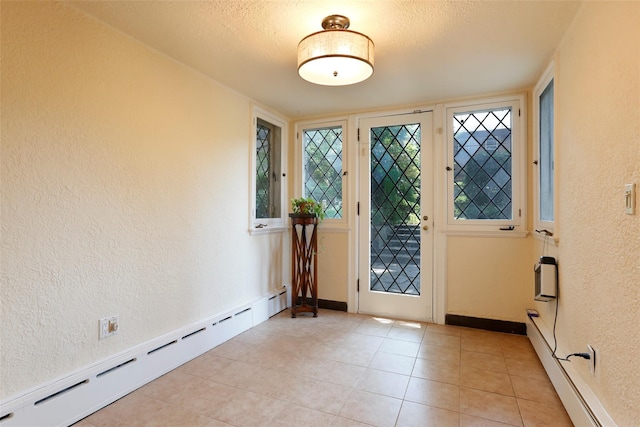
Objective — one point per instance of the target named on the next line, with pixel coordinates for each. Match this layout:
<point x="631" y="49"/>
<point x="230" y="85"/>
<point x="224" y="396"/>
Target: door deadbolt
<point x="426" y="217"/>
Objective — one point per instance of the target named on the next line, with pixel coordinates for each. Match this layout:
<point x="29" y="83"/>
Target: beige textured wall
<point x="489" y="277"/>
<point x="598" y="151"/>
<point x="124" y="190"/>
<point x="333" y="265"/>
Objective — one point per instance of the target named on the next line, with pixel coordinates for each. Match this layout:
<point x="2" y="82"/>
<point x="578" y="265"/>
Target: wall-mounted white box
<point x="546" y="272"/>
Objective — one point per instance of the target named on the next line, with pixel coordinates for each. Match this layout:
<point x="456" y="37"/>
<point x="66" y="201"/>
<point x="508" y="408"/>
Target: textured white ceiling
<point x="426" y="51"/>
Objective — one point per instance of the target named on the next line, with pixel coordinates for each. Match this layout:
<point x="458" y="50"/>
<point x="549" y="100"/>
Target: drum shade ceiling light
<point x="335" y="56"/>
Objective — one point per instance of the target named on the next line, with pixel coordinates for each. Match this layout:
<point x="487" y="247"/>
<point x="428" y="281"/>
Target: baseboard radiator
<point x="67" y="400"/>
<point x="582" y="405"/>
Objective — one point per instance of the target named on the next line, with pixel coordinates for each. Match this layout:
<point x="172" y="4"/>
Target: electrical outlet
<point x="109" y="326"/>
<point x="592" y="359"/>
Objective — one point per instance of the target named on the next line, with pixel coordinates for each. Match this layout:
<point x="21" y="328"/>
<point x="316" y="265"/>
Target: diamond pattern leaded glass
<point x="263" y="171"/>
<point x="395" y="209"/>
<point x="323" y="168"/>
<point x="482" y="182"/>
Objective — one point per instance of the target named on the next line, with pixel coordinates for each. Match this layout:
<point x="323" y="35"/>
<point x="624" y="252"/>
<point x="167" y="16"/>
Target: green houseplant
<point x="307" y="206"/>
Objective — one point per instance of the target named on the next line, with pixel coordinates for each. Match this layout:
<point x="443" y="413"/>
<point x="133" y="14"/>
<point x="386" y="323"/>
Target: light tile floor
<point x="349" y="370"/>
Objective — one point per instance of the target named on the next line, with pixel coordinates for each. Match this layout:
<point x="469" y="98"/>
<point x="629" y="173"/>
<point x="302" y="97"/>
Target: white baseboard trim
<point x="581" y="403"/>
<point x="68" y="399"/>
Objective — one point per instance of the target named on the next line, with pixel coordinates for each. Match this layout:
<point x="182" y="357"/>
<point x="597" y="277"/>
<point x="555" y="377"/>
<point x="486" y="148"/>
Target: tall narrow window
<point x="546" y="163"/>
<point x="485" y="169"/>
<point x="322" y="167"/>
<point x="267" y="170"/>
<point x="268" y="175"/>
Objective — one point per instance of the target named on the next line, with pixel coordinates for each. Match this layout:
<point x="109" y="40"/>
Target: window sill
<point x="548" y="239"/>
<point x="513" y="234"/>
<point x="267" y="230"/>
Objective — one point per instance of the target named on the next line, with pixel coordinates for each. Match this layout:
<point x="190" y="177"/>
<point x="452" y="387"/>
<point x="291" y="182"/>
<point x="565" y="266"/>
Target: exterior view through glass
<point x="395" y="209"/>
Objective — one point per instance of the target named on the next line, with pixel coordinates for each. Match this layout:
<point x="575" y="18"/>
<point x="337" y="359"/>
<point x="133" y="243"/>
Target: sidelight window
<point x="485" y="156"/>
<point x="268" y="187"/>
<point x="544" y="163"/>
<point x="323" y="171"/>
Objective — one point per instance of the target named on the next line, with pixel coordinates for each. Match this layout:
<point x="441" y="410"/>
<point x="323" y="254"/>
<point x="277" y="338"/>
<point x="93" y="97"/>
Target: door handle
<point x="425" y="227"/>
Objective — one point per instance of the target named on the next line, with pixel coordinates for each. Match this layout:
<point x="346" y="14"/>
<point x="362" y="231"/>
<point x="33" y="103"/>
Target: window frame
<point x="299" y="185"/>
<point x="538" y="224"/>
<point x="268" y="225"/>
<point x="516" y="226"/>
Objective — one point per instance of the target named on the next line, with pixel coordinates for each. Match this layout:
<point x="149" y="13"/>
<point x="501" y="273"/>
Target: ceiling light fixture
<point x="335" y="56"/>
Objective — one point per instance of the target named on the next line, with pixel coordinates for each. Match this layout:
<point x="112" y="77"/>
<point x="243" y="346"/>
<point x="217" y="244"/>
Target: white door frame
<point x="440" y="238"/>
<point x="427" y="201"/>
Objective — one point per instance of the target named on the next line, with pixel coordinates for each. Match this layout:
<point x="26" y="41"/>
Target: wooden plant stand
<point x="304" y="265"/>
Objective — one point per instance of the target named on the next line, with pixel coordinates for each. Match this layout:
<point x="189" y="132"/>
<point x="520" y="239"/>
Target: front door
<point x="396" y="208"/>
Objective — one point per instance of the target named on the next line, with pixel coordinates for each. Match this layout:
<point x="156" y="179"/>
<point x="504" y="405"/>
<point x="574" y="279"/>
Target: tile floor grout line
<point x="335" y="339"/>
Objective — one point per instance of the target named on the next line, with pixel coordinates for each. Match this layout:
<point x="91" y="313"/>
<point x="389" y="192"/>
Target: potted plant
<point x="307" y="206"/>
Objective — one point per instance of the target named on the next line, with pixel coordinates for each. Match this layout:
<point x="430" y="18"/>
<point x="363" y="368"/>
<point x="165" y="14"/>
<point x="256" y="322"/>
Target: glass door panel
<point x="396" y="194"/>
